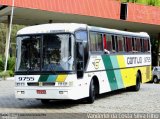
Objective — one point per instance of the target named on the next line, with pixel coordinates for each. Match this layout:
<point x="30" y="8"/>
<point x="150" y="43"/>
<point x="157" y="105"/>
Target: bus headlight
<point x="18" y="84"/>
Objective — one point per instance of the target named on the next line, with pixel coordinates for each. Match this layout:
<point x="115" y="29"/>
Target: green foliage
<point x="10" y="67"/>
<point x="4" y="74"/>
<point x="145" y="2"/>
<point x="154" y="43"/>
<point x="1" y="65"/>
<point x="3" y="29"/>
<point x="11" y="73"/>
<point x="11" y="61"/>
<point x="11" y="64"/>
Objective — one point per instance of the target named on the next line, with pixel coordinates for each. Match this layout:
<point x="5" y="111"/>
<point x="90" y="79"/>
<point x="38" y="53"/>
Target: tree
<point x="3" y="29"/>
<point x="146" y="2"/>
<point x="152" y="2"/>
<point x="2" y="38"/>
<point x="155" y="45"/>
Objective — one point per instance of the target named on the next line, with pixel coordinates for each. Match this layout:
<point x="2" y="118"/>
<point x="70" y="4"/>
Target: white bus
<point x="75" y="61"/>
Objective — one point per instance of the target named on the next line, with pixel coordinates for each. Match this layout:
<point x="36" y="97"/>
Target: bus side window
<point x="99" y="42"/>
<point x="96" y="41"/>
<point x="114" y="43"/>
<point x="92" y="41"/>
<point x="128" y="44"/>
<point x="109" y="42"/>
<point x="138" y="45"/>
<point x="149" y="45"/>
<point x="104" y="42"/>
<point x="125" y="45"/>
<point x="141" y="41"/>
<point x="120" y="43"/>
<point x="133" y="44"/>
<point x="146" y="45"/>
<point x="82" y="35"/>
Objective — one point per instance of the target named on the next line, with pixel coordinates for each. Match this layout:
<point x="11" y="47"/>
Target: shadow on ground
<point x="9" y="101"/>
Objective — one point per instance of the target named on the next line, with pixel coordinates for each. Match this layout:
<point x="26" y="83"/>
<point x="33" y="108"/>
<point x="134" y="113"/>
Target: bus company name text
<point x="138" y="60"/>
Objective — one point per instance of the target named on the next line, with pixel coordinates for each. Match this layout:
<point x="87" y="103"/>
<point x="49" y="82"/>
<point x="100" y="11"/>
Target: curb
<point x="7" y="79"/>
<point x="10" y="79"/>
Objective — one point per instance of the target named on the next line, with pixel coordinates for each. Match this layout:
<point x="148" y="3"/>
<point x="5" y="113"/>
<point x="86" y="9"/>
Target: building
<point x="105" y="13"/>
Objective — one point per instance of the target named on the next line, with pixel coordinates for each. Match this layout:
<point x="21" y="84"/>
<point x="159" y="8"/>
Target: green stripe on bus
<point x="110" y="73"/>
<point x="117" y="71"/>
<point x="43" y="78"/>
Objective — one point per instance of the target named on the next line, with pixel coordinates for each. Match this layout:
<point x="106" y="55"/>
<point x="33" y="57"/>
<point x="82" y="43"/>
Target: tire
<point x="45" y="101"/>
<point x="155" y="80"/>
<point x="92" y="93"/>
<point x="138" y="83"/>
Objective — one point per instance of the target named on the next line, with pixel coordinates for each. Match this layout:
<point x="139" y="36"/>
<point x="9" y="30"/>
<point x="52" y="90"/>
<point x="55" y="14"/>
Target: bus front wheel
<point x="92" y="93"/>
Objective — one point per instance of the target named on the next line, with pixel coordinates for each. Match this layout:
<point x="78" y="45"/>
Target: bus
<point x="76" y="61"/>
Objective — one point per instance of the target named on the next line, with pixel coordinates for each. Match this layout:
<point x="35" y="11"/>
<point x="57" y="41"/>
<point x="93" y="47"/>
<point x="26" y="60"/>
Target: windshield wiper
<point x="28" y="69"/>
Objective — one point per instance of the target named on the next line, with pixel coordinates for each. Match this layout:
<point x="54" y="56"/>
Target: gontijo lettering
<point x="134" y="60"/>
<point x="138" y="60"/>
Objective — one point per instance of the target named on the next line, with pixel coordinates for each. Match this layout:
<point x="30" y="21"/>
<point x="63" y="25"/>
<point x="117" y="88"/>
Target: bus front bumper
<point x="48" y="93"/>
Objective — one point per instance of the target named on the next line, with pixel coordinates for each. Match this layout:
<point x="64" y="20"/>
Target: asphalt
<point x="147" y="100"/>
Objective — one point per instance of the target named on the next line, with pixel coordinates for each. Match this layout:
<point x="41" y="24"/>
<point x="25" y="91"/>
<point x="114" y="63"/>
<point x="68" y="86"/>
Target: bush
<point x="1" y="65"/>
<point x="11" y="64"/>
<point x="11" y="73"/>
<point x="10" y="67"/>
<point x="4" y="74"/>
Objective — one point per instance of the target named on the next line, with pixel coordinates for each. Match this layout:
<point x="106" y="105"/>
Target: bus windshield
<point x="45" y="53"/>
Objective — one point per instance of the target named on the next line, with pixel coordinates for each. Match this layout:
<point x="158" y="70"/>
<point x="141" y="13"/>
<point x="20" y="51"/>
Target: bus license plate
<point x="41" y="91"/>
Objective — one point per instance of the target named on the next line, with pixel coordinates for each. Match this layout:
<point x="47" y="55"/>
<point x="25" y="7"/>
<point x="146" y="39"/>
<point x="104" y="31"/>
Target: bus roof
<point x="118" y="32"/>
<point x="52" y="28"/>
<point x="72" y="27"/>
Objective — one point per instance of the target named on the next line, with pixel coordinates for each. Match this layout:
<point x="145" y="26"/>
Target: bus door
<point x="81" y="52"/>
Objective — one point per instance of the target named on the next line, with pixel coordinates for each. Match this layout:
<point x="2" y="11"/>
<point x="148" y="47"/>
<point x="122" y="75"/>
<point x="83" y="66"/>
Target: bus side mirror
<point x="80" y="59"/>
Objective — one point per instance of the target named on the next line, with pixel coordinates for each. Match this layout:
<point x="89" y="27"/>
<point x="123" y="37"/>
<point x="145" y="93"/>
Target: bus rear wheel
<point x="92" y="93"/>
<point x="138" y="83"/>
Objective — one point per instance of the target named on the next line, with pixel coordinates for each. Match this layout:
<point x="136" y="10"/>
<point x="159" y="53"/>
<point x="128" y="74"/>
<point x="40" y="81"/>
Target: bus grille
<point x="41" y="84"/>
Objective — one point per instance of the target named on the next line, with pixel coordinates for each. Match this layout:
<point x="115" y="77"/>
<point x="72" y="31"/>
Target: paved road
<point x="144" y="101"/>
